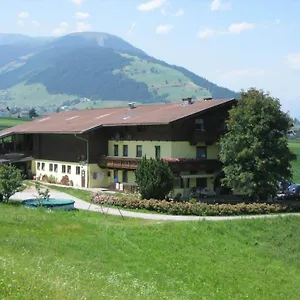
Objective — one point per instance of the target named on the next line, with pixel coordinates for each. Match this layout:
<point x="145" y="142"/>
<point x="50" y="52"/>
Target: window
<point x="63" y="168"/>
<point x="77" y="170"/>
<point x="55" y="168"/>
<point x="139" y="151"/>
<point x="116" y="150"/>
<point x="38" y="166"/>
<point x="157" y="151"/>
<point x="125" y="176"/>
<point x="125" y="150"/>
<point x="50" y="167"/>
<point x="116" y="179"/>
<point x="201" y="152"/>
<point x="69" y="169"/>
<point x="199" y="124"/>
<point x="43" y="166"/>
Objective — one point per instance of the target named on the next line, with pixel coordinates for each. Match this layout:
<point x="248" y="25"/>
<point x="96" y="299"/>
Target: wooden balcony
<point x="115" y="162"/>
<point x="209" y="137"/>
<point x="176" y="164"/>
<point x="194" y="164"/>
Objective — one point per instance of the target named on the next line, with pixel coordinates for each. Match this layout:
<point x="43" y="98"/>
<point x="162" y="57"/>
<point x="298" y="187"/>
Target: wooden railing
<point x="114" y="162"/>
<point x="176" y="164"/>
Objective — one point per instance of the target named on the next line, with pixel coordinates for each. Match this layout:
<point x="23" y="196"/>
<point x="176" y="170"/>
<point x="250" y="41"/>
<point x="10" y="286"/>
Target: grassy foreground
<point x="85" y="255"/>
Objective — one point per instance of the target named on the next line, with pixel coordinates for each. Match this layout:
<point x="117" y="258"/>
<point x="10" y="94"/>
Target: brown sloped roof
<point x="81" y="121"/>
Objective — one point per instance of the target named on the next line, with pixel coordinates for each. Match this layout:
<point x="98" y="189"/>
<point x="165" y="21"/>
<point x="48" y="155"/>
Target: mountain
<point x="93" y="67"/>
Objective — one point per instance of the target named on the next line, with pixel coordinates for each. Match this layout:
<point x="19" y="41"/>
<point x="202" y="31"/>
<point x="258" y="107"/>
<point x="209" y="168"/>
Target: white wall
<point x="76" y="178"/>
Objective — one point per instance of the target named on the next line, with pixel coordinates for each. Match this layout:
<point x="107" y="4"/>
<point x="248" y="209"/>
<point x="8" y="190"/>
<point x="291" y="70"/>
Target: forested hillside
<point x="95" y="66"/>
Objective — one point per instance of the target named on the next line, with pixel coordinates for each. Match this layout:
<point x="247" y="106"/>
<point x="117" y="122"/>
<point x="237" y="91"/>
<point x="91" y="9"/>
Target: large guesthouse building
<point x="102" y="147"/>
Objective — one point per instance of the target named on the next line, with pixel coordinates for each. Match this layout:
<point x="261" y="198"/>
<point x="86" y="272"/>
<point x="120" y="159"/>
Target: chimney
<point x="187" y="101"/>
<point x="131" y="105"/>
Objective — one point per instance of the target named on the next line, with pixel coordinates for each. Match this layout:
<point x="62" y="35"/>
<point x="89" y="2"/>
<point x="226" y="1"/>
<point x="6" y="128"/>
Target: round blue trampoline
<point x="52" y="203"/>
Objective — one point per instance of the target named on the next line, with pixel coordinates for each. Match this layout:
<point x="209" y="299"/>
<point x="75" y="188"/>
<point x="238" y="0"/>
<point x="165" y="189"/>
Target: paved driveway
<point x="30" y="193"/>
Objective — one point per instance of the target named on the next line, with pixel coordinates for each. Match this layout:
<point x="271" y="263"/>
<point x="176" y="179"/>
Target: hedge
<point x="194" y="209"/>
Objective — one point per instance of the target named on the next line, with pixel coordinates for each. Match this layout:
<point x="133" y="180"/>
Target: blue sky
<point x="236" y="44"/>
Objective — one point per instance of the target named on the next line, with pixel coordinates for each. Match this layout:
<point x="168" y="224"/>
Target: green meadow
<point x="10" y="122"/>
<point x="85" y="255"/>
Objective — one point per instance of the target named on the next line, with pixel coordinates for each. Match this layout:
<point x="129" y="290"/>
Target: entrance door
<point x="82" y="178"/>
<point x="201" y="183"/>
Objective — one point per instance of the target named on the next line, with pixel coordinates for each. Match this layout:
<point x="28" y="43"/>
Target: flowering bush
<point x="196" y="209"/>
<point x="65" y="180"/>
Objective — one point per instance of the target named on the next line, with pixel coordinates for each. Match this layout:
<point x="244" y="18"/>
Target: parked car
<point x="293" y="192"/>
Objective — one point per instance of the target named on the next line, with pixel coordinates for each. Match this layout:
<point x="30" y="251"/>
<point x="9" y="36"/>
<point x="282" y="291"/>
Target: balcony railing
<point x="176" y="164"/>
<point x="115" y="162"/>
<point x="195" y="164"/>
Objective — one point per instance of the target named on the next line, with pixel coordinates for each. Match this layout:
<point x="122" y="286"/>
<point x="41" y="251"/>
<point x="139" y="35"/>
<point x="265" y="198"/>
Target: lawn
<point x="10" y="122"/>
<point x="295" y="147"/>
<point x="85" y="255"/>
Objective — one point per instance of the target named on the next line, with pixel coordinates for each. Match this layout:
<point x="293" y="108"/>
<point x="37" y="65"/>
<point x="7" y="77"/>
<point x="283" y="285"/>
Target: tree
<point x="154" y="178"/>
<point x="254" y="151"/>
<point x="11" y="181"/>
<point x="32" y="113"/>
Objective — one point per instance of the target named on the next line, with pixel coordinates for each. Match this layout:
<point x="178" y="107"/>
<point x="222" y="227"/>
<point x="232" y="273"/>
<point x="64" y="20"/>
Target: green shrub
<point x="154" y="178"/>
<point x="195" y="209"/>
<point x="52" y="179"/>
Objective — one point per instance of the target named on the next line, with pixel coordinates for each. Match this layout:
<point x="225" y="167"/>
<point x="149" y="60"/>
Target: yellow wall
<point x="168" y="149"/>
<point x="76" y="178"/>
<point x="148" y="148"/>
<point x="98" y="177"/>
<point x="185" y="150"/>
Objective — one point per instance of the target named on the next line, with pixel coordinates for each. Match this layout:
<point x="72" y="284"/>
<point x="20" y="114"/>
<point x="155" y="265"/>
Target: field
<point x="295" y="147"/>
<point x="83" y="255"/>
<point x="10" y="122"/>
<point x="34" y="95"/>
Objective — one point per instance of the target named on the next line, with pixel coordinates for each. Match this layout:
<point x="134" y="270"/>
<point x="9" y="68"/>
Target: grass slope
<point x="162" y="80"/>
<point x="84" y="255"/>
<point x="295" y="147"/>
<point x="10" y="122"/>
<point x="34" y="95"/>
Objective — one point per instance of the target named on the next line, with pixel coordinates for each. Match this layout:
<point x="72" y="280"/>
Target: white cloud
<point x="293" y="60"/>
<point x="35" y="23"/>
<point x="248" y="72"/>
<point x="78" y="2"/>
<point x="205" y="33"/>
<point x="237" y="28"/>
<point x="64" y="25"/>
<point x="151" y="5"/>
<point x="164" y="29"/>
<point x="179" y="13"/>
<point x="23" y="15"/>
<point x="82" y="26"/>
<point x="219" y="5"/>
<point x="82" y="15"/>
<point x="61" y="30"/>
<point x="277" y="22"/>
<point x="21" y="23"/>
<point x="130" y="30"/>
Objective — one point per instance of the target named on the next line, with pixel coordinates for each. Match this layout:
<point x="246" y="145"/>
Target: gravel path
<point x="30" y="193"/>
